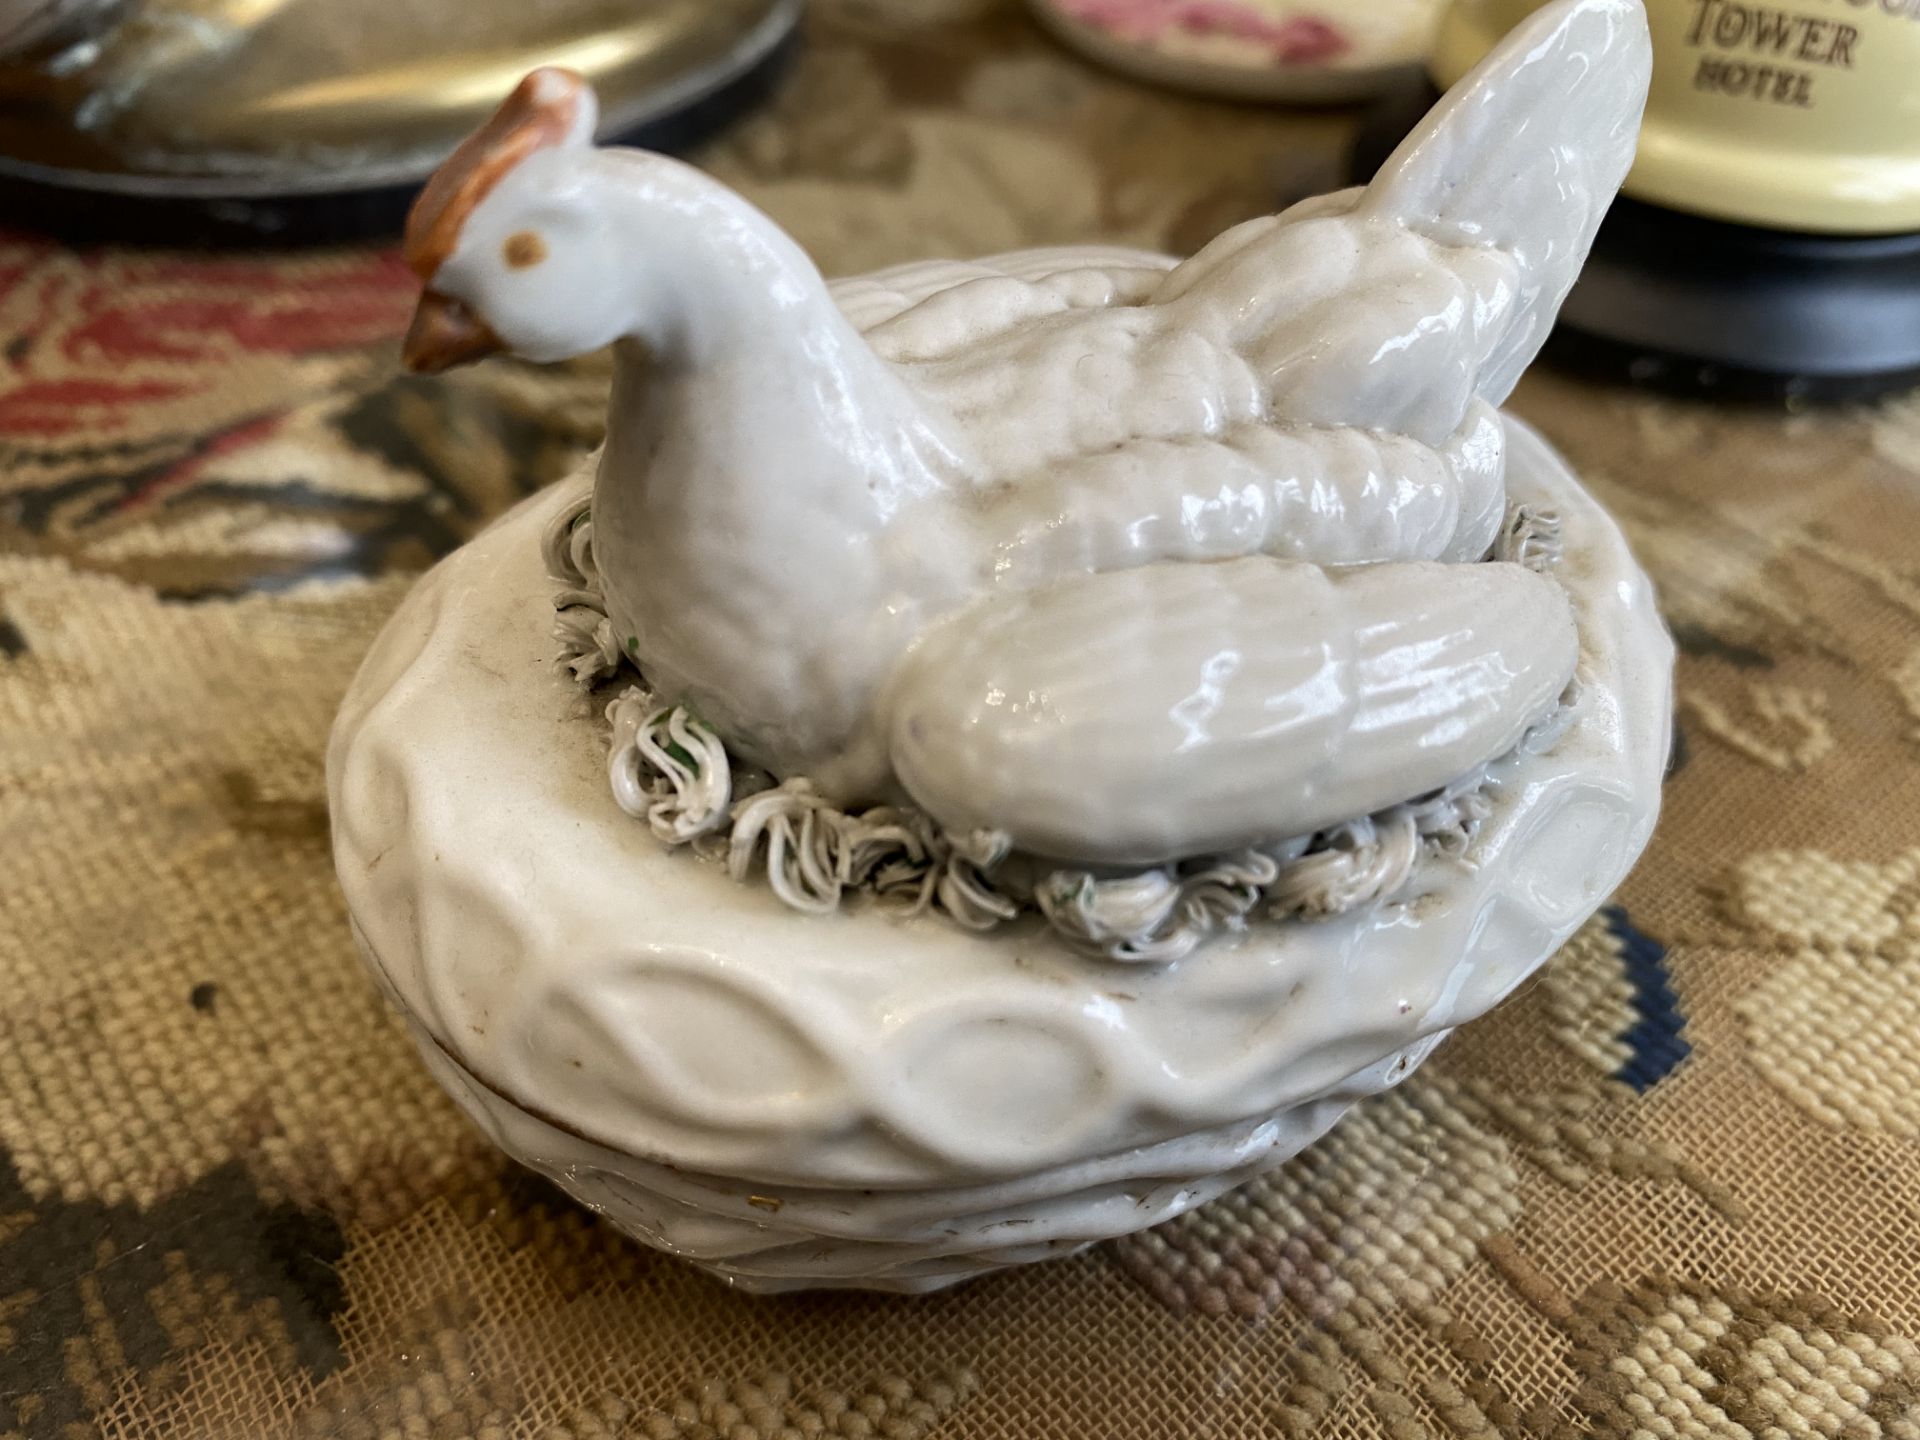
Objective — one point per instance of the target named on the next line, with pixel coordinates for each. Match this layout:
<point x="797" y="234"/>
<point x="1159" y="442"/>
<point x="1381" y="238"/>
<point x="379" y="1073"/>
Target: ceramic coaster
<point x="1313" y="51"/>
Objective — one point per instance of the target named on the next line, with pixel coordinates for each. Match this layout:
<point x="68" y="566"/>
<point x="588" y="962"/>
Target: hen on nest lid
<point x="1063" y="563"/>
<point x="1127" y="563"/>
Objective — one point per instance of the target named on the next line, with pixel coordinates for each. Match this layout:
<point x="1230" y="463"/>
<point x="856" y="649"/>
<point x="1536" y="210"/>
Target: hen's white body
<point x="876" y="533"/>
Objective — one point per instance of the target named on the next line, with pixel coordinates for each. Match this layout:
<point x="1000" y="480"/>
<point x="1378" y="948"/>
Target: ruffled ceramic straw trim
<point x="588" y="647"/>
<point x="667" y="768"/>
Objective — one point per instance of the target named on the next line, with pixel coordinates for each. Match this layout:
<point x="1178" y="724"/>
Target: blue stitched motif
<point x="1654" y="1037"/>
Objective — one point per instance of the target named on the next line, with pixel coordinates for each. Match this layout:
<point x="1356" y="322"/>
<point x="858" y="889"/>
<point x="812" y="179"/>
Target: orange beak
<point x="445" y="333"/>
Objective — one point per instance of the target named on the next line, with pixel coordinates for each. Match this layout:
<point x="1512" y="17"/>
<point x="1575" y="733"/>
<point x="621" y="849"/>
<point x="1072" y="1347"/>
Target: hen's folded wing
<point x="928" y="308"/>
<point x="1150" y="714"/>
<point x="1332" y="497"/>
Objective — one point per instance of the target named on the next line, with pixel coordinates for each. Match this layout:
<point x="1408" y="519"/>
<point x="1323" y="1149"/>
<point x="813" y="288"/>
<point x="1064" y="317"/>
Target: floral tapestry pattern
<point x="1669" y="1189"/>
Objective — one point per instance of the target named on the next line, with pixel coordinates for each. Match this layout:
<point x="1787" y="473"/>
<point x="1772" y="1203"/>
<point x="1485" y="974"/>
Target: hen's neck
<point x="756" y="450"/>
<point x="745" y="376"/>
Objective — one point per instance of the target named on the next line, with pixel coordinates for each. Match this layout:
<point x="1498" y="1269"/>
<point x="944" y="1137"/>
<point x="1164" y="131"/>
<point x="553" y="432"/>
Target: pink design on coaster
<point x="1298" y="40"/>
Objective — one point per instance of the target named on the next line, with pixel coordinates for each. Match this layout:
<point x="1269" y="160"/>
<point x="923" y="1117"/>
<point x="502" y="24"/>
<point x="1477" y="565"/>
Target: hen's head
<point x="507" y="241"/>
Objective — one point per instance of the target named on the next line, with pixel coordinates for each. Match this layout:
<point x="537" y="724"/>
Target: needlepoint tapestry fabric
<point x="1671" y="1189"/>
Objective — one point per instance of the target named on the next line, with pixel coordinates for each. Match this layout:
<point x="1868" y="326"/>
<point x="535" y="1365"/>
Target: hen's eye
<point x="524" y="248"/>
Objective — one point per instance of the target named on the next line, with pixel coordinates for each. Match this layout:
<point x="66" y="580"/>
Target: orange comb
<point x="539" y="113"/>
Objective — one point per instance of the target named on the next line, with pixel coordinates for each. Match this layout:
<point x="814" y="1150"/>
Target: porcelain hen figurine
<point x="1124" y="563"/>
<point x="1151" y="680"/>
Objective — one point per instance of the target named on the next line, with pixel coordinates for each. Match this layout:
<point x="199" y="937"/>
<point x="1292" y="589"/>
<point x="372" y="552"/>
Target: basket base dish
<point x="774" y="1239"/>
<point x="860" y="1100"/>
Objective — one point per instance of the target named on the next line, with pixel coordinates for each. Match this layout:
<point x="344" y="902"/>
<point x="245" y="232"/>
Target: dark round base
<point x="83" y="207"/>
<point x="1674" y="372"/>
<point x="1684" y="303"/>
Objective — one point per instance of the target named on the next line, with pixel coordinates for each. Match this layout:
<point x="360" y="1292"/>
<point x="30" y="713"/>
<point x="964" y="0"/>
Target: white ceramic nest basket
<point x="859" y="1100"/>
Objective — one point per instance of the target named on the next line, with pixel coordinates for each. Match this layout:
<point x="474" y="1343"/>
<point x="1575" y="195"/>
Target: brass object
<point x="245" y="97"/>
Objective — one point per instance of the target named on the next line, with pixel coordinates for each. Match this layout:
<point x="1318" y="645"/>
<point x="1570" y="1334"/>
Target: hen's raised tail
<point x="1524" y="156"/>
<point x="1404" y="306"/>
